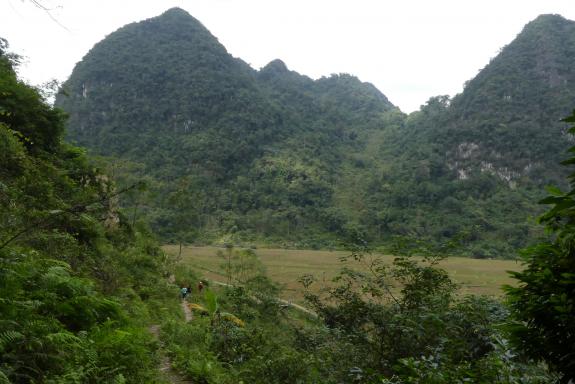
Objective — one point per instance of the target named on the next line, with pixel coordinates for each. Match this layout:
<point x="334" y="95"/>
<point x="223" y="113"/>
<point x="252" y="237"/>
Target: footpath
<point x="166" y="369"/>
<point x="168" y="372"/>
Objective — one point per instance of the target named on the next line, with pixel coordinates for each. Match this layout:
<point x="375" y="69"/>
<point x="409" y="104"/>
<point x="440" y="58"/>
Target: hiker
<point x="184" y="292"/>
<point x="200" y="287"/>
<point x="189" y="288"/>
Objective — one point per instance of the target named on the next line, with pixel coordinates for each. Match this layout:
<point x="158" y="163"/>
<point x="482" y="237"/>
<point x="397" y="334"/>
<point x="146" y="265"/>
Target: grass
<point x="286" y="266"/>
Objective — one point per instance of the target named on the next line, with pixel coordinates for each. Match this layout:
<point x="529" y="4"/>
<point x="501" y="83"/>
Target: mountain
<point x="256" y="151"/>
<point x="273" y="156"/>
<point x="160" y="80"/>
<point x="506" y="121"/>
<point x="474" y="166"/>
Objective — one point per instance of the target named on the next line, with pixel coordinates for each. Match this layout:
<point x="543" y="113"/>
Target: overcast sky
<point x="409" y="49"/>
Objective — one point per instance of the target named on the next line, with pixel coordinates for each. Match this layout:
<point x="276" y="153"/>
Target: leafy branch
<point x="74" y="210"/>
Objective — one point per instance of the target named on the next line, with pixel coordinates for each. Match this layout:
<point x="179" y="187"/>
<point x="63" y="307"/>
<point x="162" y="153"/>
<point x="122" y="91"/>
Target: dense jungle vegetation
<point x="77" y="281"/>
<point x="273" y="157"/>
<point x="82" y="281"/>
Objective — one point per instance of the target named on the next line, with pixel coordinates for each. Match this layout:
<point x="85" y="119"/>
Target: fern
<point x="56" y="258"/>
<point x="41" y="325"/>
<point x="3" y="378"/>
<point x="64" y="340"/>
<point x="9" y="337"/>
<point x="119" y="379"/>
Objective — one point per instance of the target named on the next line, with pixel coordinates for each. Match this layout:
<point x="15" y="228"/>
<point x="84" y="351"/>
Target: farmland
<point x="286" y="266"/>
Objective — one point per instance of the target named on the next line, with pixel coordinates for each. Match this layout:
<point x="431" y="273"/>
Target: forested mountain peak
<point x="165" y="94"/>
<point x="542" y="52"/>
<point x="548" y="43"/>
<point x="177" y="17"/>
<point x="354" y="87"/>
<point x="276" y="156"/>
<point x="548" y="19"/>
<point x="275" y="70"/>
<point x="456" y="163"/>
<point x="176" y="12"/>
<point x="171" y="58"/>
<point x="505" y="121"/>
<point x="276" y="65"/>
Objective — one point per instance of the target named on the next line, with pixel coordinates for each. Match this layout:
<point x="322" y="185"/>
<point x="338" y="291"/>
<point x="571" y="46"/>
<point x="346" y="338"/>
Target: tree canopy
<point x="72" y="269"/>
<point x="544" y="300"/>
<point x="274" y="157"/>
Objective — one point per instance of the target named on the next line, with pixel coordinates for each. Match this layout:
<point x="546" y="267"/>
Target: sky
<point x="410" y="50"/>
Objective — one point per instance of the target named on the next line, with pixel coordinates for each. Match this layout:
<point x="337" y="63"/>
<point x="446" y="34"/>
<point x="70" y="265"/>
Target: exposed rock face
<point x="506" y="121"/>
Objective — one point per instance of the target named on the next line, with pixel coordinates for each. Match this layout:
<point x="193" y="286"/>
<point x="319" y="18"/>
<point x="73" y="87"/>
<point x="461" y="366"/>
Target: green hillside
<point x="77" y="281"/>
<point x="274" y="157"/>
<point x="509" y="111"/>
<point x="256" y="154"/>
<point x="86" y="295"/>
<point x="474" y="165"/>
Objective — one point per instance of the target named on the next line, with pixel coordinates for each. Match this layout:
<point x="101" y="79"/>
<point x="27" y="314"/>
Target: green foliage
<point x="73" y="273"/>
<point x="274" y="157"/>
<point x="186" y="343"/>
<point x="242" y="156"/>
<point x="236" y="164"/>
<point x="475" y="165"/>
<point x="211" y="300"/>
<point x="41" y="130"/>
<point x="399" y="323"/>
<point x="240" y="266"/>
<point x="211" y="350"/>
<point x="405" y="325"/>
<point x="544" y="301"/>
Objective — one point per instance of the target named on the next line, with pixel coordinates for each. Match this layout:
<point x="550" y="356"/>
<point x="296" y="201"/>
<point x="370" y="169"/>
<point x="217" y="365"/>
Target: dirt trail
<point x="187" y="312"/>
<point x="169" y="373"/>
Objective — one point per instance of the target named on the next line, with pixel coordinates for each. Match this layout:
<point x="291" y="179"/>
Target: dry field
<point x="286" y="266"/>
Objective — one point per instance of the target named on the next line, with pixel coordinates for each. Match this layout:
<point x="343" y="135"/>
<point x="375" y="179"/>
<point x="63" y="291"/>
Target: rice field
<point x="286" y="266"/>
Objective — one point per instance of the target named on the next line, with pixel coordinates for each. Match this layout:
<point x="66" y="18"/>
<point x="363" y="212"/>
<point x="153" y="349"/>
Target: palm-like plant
<point x="212" y="309"/>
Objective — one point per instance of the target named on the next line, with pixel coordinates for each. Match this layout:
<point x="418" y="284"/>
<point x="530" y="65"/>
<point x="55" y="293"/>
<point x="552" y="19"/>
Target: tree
<point x="240" y="266"/>
<point x="544" y="301"/>
<point x="401" y="322"/>
<point x="185" y="216"/>
<point x="63" y="266"/>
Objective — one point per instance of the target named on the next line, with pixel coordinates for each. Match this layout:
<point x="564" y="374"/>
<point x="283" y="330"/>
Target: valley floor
<point x="477" y="276"/>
